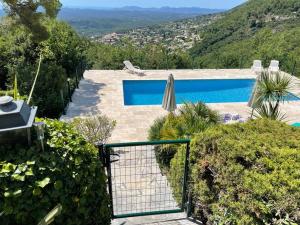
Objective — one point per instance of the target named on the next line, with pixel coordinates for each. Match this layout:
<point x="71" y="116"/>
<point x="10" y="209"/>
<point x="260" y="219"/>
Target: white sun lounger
<point x="274" y="66"/>
<point x="257" y="66"/>
<point x="133" y="69"/>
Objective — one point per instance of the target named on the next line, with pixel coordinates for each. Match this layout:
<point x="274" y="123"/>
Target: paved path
<point x="138" y="184"/>
<point x="168" y="219"/>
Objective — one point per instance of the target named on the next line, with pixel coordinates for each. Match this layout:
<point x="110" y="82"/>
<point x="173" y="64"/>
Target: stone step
<point x="166" y="219"/>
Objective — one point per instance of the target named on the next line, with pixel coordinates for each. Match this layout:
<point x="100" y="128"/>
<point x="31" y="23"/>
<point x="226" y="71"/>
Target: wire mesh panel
<point x="147" y="178"/>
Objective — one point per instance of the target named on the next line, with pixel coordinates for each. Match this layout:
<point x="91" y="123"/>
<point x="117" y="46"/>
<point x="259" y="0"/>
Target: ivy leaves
<point x="68" y="172"/>
<point x="43" y="183"/>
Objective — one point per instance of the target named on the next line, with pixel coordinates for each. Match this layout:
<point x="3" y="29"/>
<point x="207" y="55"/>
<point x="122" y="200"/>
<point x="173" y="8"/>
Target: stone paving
<point x="102" y="90"/>
<point x="138" y="184"/>
<point x="168" y="219"/>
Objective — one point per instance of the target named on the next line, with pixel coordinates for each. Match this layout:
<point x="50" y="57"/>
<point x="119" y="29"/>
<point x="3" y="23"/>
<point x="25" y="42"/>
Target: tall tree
<point x="31" y="13"/>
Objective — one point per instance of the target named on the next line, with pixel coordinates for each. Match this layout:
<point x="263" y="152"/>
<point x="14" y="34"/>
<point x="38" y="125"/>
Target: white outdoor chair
<point x="257" y="66"/>
<point x="133" y="69"/>
<point x="274" y="66"/>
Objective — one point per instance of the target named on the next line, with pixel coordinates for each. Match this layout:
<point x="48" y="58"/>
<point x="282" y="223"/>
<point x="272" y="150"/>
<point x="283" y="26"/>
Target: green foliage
<point x="269" y="111"/>
<point x="190" y="119"/>
<point x="258" y="29"/>
<point x="3" y="93"/>
<point x="95" y="129"/>
<point x="95" y="22"/>
<point x="67" y="172"/>
<point x="63" y="56"/>
<point x="245" y="20"/>
<point x="272" y="89"/>
<point x="247" y="174"/>
<point x="154" y="133"/>
<point x="29" y="14"/>
<point x="176" y="172"/>
<point x="150" y="57"/>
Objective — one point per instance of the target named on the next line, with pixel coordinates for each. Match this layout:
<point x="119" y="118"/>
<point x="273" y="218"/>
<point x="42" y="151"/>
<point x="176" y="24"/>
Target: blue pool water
<point x="150" y="92"/>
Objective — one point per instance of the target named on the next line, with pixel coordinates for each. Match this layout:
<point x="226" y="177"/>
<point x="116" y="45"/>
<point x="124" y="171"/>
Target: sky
<point x="214" y="4"/>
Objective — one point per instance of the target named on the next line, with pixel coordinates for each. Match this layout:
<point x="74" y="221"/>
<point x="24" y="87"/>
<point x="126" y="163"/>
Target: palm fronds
<point x="269" y="111"/>
<point x="272" y="90"/>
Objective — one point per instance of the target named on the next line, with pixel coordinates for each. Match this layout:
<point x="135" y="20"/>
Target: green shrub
<point x="154" y="133"/>
<point x="67" y="172"/>
<point x="64" y="56"/>
<point x="247" y="174"/>
<point x="4" y="93"/>
<point x="176" y="172"/>
<point x="190" y="119"/>
<point x="95" y="129"/>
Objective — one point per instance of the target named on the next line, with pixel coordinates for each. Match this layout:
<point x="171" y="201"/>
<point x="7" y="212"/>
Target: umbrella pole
<point x="252" y="113"/>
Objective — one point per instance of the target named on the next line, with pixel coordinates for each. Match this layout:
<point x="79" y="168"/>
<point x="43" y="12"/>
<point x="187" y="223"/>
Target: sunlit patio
<point x="102" y="91"/>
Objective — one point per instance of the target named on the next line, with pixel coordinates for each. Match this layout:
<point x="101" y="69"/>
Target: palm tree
<point x="191" y="118"/>
<point x="272" y="90"/>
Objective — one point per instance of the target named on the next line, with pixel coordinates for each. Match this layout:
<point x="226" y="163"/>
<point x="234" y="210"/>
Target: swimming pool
<point x="150" y="92"/>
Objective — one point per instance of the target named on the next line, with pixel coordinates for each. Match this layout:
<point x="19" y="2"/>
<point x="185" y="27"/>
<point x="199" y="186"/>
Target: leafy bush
<point x="95" y="129"/>
<point x="190" y="119"/>
<point x="4" y="93"/>
<point x="176" y="172"/>
<point x="154" y="133"/>
<point x="247" y="174"/>
<point x="67" y="172"/>
<point x="63" y="55"/>
<point x="152" y="56"/>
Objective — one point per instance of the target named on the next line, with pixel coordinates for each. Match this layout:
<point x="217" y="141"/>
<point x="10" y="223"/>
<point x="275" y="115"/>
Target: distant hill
<point x="175" y="35"/>
<point x="93" y="22"/>
<point x="258" y="29"/>
<point x="182" y="10"/>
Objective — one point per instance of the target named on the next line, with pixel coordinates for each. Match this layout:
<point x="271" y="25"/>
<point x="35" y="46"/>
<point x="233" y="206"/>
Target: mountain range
<point x="93" y="22"/>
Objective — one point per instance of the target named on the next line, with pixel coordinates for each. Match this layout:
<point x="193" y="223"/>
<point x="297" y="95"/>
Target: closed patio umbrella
<point x="169" y="100"/>
<point x="253" y="99"/>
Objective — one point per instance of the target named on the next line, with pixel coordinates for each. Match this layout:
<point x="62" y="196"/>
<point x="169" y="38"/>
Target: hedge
<point x="4" y="93"/>
<point x="189" y="120"/>
<point x="246" y="174"/>
<point x="67" y="172"/>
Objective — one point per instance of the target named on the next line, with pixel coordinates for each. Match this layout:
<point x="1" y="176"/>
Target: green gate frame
<point x="105" y="155"/>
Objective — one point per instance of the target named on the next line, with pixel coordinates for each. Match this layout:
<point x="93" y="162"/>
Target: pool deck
<point x="102" y="91"/>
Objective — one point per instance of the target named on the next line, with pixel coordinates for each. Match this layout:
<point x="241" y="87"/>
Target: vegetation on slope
<point x="247" y="174"/>
<point x="95" y="22"/>
<point x="258" y="29"/>
<point x="63" y="55"/>
<point x="191" y="119"/>
<point x="241" y="174"/>
<point x="108" y="57"/>
<point x="246" y="20"/>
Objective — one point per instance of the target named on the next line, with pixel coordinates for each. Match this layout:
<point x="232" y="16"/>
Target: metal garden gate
<point x="139" y="181"/>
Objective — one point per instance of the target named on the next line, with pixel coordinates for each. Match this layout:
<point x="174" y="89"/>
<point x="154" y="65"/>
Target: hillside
<point x="258" y="29"/>
<point x="95" y="22"/>
<point x="176" y="35"/>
